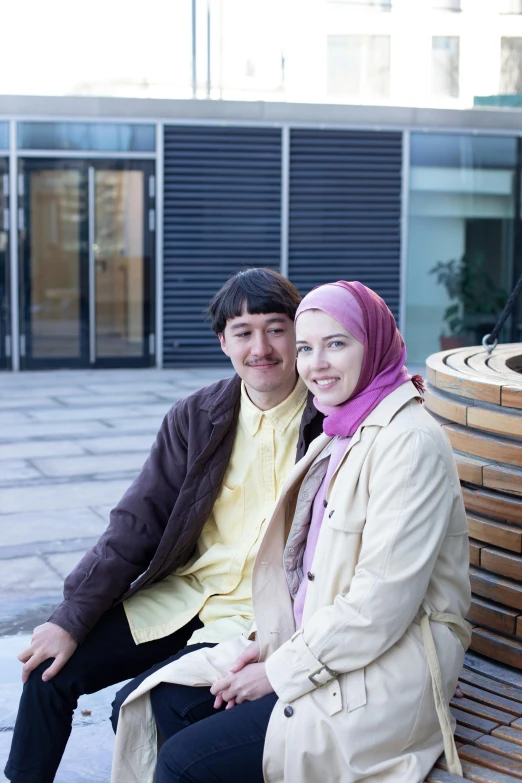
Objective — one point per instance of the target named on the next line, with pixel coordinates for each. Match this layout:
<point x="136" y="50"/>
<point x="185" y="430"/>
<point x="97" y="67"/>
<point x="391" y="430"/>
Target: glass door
<point x="121" y="260"/>
<point x="53" y="226"/>
<point x="5" y="326"/>
<point x="87" y="251"/>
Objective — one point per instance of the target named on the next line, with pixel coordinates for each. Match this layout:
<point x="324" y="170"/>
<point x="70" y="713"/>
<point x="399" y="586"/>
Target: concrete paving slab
<point x="61" y="496"/>
<point x="120" y="398"/>
<point x="17" y="470"/>
<point x="55" y="429"/>
<point x="58" y="525"/>
<point x="94" y="412"/>
<point x="65" y="562"/>
<point x="139" y="424"/>
<point x="27" y="575"/>
<point x="117" y="444"/>
<point x="14" y="417"/>
<point x="39" y="448"/>
<point x="90" y="465"/>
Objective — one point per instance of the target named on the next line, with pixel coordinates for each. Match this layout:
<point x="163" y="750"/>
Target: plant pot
<point x="446" y="343"/>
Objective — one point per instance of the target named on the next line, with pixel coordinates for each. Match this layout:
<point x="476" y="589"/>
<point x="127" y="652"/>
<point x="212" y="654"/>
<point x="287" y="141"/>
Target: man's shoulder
<point x="217" y="397"/>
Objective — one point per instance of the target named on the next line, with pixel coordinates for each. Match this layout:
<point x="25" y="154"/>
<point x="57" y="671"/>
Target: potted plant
<point x="475" y="299"/>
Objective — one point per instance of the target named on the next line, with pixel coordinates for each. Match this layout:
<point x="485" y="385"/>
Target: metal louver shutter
<point x="222" y="204"/>
<point x="345" y="209"/>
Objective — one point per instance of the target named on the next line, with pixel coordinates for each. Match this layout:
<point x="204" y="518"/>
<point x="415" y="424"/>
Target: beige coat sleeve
<point x="410" y="501"/>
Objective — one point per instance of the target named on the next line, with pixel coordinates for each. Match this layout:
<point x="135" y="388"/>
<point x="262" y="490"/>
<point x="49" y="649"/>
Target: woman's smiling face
<point x="329" y="358"/>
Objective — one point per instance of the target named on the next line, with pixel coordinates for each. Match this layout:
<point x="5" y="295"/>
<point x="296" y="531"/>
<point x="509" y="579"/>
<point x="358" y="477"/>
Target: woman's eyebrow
<point x="339" y="334"/>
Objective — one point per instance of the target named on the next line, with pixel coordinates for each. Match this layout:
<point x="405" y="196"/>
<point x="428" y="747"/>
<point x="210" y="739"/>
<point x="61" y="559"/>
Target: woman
<point x="360" y="589"/>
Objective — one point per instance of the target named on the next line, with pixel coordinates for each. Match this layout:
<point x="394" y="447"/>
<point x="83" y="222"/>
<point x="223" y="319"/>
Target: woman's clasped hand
<point x="247" y="680"/>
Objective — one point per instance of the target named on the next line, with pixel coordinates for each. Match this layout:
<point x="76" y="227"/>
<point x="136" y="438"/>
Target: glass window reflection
<point x="98" y="137"/>
<point x="460" y="239"/>
<point x="4" y="136"/>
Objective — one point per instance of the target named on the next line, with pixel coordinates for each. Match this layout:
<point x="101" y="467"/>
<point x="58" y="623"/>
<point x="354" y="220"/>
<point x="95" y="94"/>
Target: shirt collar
<point x="279" y="417"/>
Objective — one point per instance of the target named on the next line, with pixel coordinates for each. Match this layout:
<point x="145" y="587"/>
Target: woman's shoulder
<point x="414" y="425"/>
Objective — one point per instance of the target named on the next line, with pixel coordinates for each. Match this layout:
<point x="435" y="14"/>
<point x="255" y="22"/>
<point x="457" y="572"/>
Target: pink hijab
<point x="368" y="318"/>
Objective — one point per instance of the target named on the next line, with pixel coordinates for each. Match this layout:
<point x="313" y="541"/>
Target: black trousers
<point x="108" y="655"/>
<point x="204" y="745"/>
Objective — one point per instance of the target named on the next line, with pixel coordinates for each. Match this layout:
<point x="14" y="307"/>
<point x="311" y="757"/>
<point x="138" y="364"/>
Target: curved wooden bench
<point x="477" y="399"/>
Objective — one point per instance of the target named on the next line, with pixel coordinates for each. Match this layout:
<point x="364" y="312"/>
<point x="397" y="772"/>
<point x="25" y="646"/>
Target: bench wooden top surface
<point x="489" y="724"/>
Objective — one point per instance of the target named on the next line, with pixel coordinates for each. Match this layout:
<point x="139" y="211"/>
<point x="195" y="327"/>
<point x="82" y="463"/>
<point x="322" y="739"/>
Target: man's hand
<point x="49" y="641"/>
<point x="249" y="684"/>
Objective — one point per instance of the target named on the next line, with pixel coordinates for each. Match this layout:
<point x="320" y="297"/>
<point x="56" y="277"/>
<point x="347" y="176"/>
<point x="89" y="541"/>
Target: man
<point x="174" y="566"/>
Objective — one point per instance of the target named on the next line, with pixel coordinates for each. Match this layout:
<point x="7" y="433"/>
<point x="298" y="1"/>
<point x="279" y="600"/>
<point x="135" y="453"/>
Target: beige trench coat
<point x="393" y="546"/>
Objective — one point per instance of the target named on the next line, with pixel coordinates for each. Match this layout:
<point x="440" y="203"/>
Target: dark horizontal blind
<point x="345" y="209"/>
<point x="222" y="212"/>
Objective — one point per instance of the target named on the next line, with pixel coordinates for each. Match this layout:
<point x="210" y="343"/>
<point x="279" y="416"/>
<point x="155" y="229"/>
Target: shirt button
<point x="330" y="514"/>
<point x="288" y="712"/>
<point x="325" y="503"/>
<point x="311" y="576"/>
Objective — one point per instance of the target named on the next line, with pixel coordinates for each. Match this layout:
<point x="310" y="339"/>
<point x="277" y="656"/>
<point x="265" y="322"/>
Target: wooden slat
<point x="490" y="420"/>
<point x="491" y="699"/>
<point x="518" y="628"/>
<point x="491" y="761"/>
<point x="502" y="591"/>
<point x="511" y="396"/>
<point x="444" y="406"/>
<point x="501" y="562"/>
<point x="494" y="670"/>
<point x="474" y="551"/>
<point x="447" y="379"/>
<point x="481" y="444"/>
<point x="440" y="776"/>
<point x="496" y="533"/>
<point x="501" y="746"/>
<point x="470" y="469"/>
<point x="493" y="504"/>
<point x="508" y="733"/>
<point x="482" y="775"/>
<point x="488" y="684"/>
<point x="482" y="710"/>
<point x="500" y="648"/>
<point x="466" y="735"/>
<point x="481" y="725"/>
<point x="503" y="477"/>
<point x="493" y="615"/>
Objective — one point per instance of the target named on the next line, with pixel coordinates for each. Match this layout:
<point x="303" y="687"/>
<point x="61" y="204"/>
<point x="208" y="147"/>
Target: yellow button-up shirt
<point x="216" y="583"/>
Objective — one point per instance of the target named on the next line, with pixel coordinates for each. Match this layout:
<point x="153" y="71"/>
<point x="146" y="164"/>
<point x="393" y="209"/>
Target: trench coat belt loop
<point x="462" y="631"/>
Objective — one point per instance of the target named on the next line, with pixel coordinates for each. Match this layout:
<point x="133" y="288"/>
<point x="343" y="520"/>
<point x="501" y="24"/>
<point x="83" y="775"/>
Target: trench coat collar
<point x="384" y="412"/>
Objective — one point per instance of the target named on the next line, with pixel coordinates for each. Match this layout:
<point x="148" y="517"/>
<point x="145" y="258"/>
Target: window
<point x="109" y="137"/>
<point x="4" y="135"/>
<point x="445" y="66"/>
<point x="359" y="65"/>
<point x="511" y="6"/>
<point x="511" y="66"/>
<point x="461" y="214"/>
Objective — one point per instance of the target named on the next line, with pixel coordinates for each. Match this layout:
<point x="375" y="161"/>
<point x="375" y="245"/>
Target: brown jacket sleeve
<point x="136" y="526"/>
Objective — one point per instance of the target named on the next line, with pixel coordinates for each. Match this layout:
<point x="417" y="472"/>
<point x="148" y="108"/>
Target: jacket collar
<point x="384" y="412"/>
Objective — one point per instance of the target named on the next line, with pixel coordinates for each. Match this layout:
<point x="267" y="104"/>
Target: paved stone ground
<point x="70" y="444"/>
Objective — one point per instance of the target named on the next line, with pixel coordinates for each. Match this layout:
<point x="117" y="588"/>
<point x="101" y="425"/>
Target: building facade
<point x="429" y="53"/>
<point x="120" y="218"/>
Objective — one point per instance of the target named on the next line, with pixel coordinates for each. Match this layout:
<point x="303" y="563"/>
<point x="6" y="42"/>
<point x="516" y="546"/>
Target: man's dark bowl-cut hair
<point x="262" y="290"/>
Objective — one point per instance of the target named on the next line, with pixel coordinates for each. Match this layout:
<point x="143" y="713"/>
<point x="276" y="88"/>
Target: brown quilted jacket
<point x="155" y="526"/>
